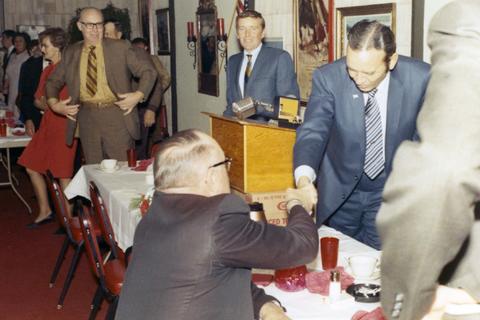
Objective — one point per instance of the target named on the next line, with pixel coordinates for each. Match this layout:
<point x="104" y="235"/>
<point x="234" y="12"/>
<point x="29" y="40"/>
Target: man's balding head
<point x="186" y="161"/>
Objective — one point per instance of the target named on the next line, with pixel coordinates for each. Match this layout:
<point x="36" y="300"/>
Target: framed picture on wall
<point x="31" y="30"/>
<point x="313" y="20"/>
<point x="163" y="32"/>
<point x="348" y="16"/>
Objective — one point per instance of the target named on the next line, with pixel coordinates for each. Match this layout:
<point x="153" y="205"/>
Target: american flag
<point x="242" y="5"/>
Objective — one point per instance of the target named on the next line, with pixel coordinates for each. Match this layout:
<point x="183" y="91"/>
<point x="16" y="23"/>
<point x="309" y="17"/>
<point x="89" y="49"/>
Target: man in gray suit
<point x="428" y="222"/>
<point x="194" y="250"/>
<point x="98" y="73"/>
<point x="361" y="108"/>
<point x="259" y="72"/>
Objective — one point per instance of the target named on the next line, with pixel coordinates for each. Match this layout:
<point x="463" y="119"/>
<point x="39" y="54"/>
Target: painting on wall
<point x="31" y="30"/>
<point x="163" y="32"/>
<point x="348" y="16"/>
<point x="313" y="21"/>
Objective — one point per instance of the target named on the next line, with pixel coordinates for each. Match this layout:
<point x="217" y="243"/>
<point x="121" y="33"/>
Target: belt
<point x="98" y="104"/>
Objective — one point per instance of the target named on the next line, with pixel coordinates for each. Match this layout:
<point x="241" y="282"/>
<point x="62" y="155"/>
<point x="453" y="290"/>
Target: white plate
<point x="373" y="279"/>
<point x="117" y="167"/>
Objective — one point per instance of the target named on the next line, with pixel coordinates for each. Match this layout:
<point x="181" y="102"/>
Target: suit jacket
<point x="273" y="75"/>
<point x="122" y="62"/>
<point x="30" y="72"/>
<point x="429" y="230"/>
<point x="192" y="257"/>
<point x="332" y="138"/>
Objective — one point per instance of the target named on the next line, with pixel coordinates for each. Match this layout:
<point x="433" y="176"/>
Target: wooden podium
<point x="262" y="154"/>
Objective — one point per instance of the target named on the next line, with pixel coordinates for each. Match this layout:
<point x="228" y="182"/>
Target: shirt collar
<point x="254" y="52"/>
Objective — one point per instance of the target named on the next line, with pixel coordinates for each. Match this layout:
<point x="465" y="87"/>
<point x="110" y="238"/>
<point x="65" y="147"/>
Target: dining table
<point x="7" y="143"/>
<point x="119" y="187"/>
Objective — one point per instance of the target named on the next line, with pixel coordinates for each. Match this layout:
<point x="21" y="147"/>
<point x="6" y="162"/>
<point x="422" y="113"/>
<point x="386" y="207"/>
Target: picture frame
<point x="313" y="40"/>
<point x="163" y="32"/>
<point x="33" y="30"/>
<point x="348" y="16"/>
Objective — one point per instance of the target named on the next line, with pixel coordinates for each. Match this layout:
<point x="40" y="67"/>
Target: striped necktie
<point x="92" y="72"/>
<point x="374" y="158"/>
<point x="248" y="71"/>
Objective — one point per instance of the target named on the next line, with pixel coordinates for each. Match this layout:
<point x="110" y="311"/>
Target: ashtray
<point x="364" y="292"/>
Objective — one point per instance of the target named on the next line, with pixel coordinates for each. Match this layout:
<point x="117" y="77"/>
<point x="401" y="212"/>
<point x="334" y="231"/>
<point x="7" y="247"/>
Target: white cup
<point x="362" y="266"/>
<point x="108" y="164"/>
<point x="149" y="179"/>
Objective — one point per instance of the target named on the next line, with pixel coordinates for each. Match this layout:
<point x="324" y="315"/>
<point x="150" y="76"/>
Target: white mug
<point x="108" y="164"/>
<point x="362" y="266"/>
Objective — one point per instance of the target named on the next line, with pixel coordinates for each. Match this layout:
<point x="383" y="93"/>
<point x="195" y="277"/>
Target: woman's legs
<point x="40" y="189"/>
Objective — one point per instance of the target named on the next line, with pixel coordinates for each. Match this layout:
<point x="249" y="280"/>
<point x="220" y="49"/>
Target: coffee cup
<point x="108" y="164"/>
<point x="362" y="266"/>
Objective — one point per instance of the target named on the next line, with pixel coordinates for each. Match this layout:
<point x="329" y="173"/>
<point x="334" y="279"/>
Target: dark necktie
<point x="92" y="72"/>
<point x="248" y="71"/>
<point x="374" y="158"/>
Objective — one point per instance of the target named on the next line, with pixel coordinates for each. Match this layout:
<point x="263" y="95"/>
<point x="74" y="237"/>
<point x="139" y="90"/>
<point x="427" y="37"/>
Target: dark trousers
<point x="356" y="217"/>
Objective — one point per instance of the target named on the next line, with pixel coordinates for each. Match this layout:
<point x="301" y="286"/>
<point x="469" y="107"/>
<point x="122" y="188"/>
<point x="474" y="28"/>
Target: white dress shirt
<point x="241" y="75"/>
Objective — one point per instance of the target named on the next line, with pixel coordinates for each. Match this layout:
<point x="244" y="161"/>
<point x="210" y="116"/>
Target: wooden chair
<point x="73" y="236"/>
<point x="110" y="275"/>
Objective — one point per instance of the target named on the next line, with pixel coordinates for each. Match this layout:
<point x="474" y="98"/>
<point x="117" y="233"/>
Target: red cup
<point x="132" y="158"/>
<point x="329" y="252"/>
<point x="3" y="128"/>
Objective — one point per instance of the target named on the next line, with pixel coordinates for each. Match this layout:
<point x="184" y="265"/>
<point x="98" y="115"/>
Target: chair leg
<point x="58" y="264"/>
<point x="96" y="303"/>
<point x="71" y="272"/>
<point x="112" y="309"/>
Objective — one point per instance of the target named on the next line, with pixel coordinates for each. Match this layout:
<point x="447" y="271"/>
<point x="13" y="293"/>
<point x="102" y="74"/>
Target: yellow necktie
<point x="92" y="72"/>
<point x="248" y="69"/>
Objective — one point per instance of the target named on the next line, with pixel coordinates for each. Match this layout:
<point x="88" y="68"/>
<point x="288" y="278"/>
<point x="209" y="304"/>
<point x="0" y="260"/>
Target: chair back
<point x="101" y="214"/>
<point x="59" y="203"/>
<point x="91" y="244"/>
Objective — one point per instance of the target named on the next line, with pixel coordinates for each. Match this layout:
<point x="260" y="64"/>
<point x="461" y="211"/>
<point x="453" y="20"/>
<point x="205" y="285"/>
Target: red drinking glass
<point x="329" y="252"/>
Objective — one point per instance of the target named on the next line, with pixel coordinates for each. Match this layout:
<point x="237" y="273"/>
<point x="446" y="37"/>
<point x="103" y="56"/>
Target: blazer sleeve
<point x="427" y="213"/>
<point x="241" y="242"/>
<point x="56" y="81"/>
<point x="259" y="298"/>
<point x="231" y="83"/>
<point x="313" y="134"/>
<point x="286" y="79"/>
<point x="141" y="66"/>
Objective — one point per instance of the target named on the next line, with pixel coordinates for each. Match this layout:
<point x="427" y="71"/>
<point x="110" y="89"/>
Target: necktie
<point x="374" y="159"/>
<point x="92" y="72"/>
<point x="248" y="71"/>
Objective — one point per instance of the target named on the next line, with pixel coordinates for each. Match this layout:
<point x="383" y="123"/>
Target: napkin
<point x="318" y="282"/>
<point x="143" y="165"/>
<point x="376" y="314"/>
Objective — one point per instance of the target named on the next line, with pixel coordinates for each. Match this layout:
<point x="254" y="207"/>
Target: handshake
<point x="305" y="195"/>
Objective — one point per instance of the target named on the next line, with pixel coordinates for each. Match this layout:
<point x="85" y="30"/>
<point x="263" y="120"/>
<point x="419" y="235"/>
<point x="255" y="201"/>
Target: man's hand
<point x="63" y="107"/>
<point x="148" y="118"/>
<point x="129" y="101"/>
<point x="305" y="193"/>
<point x="444" y="296"/>
<point x="272" y="311"/>
<point x="29" y="127"/>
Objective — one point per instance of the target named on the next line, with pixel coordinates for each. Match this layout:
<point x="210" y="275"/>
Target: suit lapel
<point x="356" y="110"/>
<point x="237" y="68"/>
<point x="394" y="109"/>
<point x="262" y="59"/>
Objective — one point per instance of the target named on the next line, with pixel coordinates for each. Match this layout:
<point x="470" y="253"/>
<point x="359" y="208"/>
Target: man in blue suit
<point x="360" y="110"/>
<point x="259" y="72"/>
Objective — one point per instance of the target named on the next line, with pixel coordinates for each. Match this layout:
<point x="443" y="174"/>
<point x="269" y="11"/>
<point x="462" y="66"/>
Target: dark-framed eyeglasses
<point x="227" y="162"/>
<point x="90" y="26"/>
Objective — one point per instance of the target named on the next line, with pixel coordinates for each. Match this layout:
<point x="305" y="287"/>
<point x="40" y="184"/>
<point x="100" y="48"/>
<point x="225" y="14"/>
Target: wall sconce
<point x="192" y="43"/>
<point x="222" y="40"/>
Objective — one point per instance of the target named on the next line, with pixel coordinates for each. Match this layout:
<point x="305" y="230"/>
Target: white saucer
<point x="372" y="279"/>
<point x="117" y="167"/>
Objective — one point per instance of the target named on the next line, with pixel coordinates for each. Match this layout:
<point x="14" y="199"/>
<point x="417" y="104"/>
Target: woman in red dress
<point x="47" y="150"/>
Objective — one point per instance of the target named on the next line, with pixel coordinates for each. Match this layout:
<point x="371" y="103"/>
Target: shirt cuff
<point x="306" y="171"/>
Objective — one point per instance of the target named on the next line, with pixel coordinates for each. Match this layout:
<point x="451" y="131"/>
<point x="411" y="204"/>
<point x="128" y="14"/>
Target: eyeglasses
<point x="227" y="162"/>
<point x="90" y="26"/>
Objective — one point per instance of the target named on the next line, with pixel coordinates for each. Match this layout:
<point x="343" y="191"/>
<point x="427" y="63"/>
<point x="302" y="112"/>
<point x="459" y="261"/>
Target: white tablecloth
<point x="117" y="190"/>
<point x="304" y="305"/>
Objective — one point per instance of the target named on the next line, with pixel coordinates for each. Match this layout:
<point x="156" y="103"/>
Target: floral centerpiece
<point x="142" y="202"/>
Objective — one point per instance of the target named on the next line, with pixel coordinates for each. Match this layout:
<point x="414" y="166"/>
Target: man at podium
<point x="259" y="72"/>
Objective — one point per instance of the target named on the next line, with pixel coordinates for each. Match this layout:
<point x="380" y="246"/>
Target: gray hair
<point x="178" y="160"/>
